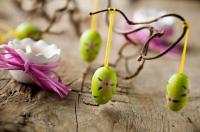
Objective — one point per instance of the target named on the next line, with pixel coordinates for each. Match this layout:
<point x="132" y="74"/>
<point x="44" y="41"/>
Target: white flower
<point x="105" y="83"/>
<point x="37" y="52"/>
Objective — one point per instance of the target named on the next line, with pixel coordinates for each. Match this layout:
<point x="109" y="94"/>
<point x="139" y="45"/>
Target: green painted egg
<point x="177" y="91"/>
<point x="90" y="44"/>
<point x="27" y="30"/>
<point x="104" y="82"/>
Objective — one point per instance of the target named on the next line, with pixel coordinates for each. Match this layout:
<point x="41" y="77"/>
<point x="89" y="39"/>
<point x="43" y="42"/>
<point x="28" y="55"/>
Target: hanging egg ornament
<point x="177" y="91"/>
<point x="90" y="44"/>
<point x="27" y="30"/>
<point x="104" y="82"/>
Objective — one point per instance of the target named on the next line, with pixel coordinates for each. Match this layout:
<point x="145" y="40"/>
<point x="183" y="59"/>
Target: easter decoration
<point x="22" y="31"/>
<point x="90" y="41"/>
<point x="154" y="33"/>
<point x="27" y="30"/>
<point x="31" y="30"/>
<point x="30" y="59"/>
<point x="104" y="80"/>
<point x="178" y="85"/>
<point x="33" y="62"/>
<point x="105" y="77"/>
<point x="90" y="44"/>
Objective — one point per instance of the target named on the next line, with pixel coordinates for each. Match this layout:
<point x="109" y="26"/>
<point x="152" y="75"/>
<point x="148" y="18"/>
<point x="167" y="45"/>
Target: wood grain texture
<point x="138" y="105"/>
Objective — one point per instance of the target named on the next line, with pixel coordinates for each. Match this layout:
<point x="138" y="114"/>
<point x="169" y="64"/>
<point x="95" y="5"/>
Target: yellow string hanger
<point x="6" y="32"/>
<point x="181" y="68"/>
<point x="94" y="17"/>
<point x="111" y="22"/>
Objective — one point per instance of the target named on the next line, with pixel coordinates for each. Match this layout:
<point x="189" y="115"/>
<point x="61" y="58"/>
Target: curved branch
<point x="137" y="23"/>
<point x="144" y="52"/>
<point x="149" y="22"/>
<point x="169" y="48"/>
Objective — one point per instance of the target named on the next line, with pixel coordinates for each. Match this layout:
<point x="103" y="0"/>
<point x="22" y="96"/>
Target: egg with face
<point x="104" y="82"/>
<point x="177" y="91"/>
<point x="90" y="44"/>
<point x="27" y="30"/>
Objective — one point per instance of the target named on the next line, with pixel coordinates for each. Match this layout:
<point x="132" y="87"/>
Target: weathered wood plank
<point x="138" y="105"/>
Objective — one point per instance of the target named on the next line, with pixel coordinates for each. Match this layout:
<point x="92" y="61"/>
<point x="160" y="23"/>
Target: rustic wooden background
<point x="138" y="106"/>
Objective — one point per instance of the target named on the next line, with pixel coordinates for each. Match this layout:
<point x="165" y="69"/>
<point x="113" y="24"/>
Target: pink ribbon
<point x="12" y="60"/>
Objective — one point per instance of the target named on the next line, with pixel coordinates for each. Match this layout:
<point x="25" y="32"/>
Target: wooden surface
<point x="137" y="107"/>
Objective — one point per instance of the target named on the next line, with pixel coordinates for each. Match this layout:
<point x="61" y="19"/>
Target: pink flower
<point x="105" y="84"/>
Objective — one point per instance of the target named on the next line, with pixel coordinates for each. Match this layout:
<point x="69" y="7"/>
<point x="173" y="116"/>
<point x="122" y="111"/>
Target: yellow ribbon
<point x="6" y="32"/>
<point x="111" y="22"/>
<point x="94" y="17"/>
<point x="181" y="68"/>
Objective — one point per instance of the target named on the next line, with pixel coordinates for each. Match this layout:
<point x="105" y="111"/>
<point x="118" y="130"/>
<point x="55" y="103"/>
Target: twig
<point x="83" y="80"/>
<point x="76" y="116"/>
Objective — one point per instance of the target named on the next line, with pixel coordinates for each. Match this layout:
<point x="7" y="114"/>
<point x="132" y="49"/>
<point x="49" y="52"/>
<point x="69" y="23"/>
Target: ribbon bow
<point x="40" y="73"/>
